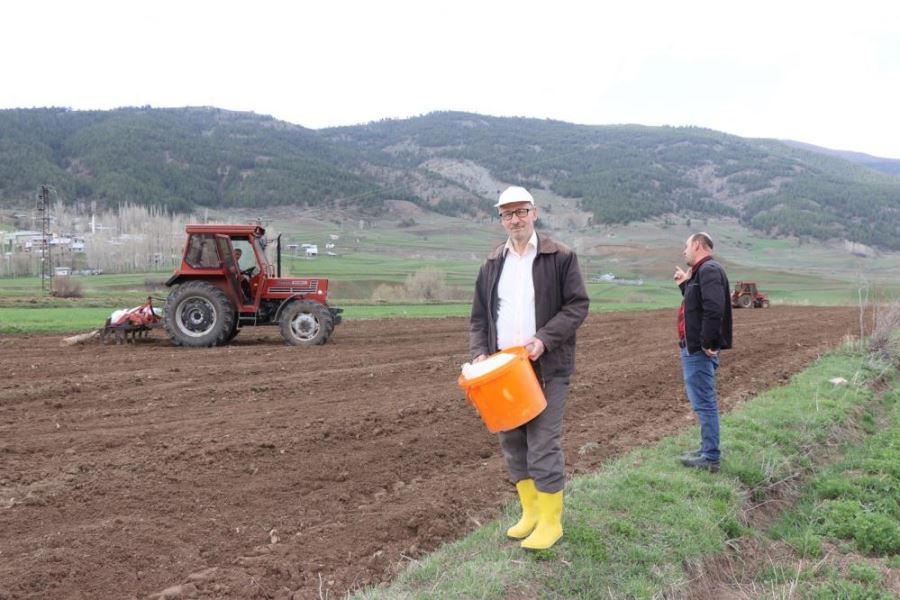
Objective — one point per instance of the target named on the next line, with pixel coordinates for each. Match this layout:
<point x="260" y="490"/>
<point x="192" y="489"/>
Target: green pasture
<point x="374" y="254"/>
<point x="746" y="253"/>
<point x="24" y="306"/>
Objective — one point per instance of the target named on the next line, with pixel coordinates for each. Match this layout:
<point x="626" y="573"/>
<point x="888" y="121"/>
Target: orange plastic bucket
<point x="508" y="395"/>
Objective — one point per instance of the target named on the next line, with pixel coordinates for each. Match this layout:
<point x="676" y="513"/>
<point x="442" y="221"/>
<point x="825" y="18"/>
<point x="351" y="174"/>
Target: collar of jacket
<point x="544" y="246"/>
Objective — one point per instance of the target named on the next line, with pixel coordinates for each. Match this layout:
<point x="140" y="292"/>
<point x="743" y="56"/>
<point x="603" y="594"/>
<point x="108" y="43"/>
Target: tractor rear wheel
<point x="233" y="333"/>
<point x="199" y="314"/>
<point x="745" y="301"/>
<point x="306" y="323"/>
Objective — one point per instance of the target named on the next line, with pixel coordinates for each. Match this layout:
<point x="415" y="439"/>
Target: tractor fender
<point x="178" y="278"/>
<point x="285" y="303"/>
<point x="174" y="279"/>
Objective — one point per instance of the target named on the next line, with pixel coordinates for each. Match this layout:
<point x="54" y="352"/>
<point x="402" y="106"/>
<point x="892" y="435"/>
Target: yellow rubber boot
<point x="528" y="496"/>
<point x="549" y="525"/>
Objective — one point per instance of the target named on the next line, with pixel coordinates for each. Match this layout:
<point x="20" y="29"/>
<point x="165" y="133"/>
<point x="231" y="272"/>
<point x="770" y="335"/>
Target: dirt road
<point x="259" y="470"/>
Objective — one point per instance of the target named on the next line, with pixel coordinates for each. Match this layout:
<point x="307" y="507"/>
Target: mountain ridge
<point x="184" y="158"/>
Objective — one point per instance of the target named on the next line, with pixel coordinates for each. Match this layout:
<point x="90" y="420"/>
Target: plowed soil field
<point x="259" y="470"/>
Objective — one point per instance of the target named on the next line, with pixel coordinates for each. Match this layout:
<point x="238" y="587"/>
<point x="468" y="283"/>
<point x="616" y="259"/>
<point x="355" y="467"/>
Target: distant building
<point x="23" y="240"/>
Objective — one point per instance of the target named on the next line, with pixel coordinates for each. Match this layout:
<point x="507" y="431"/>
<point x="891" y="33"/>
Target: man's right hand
<point x="479" y="358"/>
<point x="681" y="275"/>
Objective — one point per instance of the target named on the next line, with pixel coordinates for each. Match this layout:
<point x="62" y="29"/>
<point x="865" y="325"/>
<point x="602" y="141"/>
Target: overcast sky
<point x="825" y="72"/>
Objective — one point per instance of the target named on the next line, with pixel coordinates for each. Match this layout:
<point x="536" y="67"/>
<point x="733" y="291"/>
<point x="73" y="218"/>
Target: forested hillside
<point x="176" y="158"/>
<point x="186" y="158"/>
<point x="891" y="166"/>
<point x="628" y="173"/>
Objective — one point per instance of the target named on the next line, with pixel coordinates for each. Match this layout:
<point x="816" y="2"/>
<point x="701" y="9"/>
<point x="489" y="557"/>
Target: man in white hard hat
<point x="530" y="293"/>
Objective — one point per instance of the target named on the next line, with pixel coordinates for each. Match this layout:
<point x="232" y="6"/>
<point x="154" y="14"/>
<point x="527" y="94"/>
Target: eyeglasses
<point x="519" y="212"/>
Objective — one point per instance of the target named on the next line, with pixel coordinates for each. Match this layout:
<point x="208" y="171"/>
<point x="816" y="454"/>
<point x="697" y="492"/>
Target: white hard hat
<point x="512" y="194"/>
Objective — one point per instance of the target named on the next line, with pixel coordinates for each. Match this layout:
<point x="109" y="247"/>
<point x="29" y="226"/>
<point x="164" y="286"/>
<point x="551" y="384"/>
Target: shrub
<point x="387" y="293"/>
<point x="883" y="341"/>
<point x="840" y="517"/>
<point x="864" y="573"/>
<point x="426" y="284"/>
<point x="807" y="544"/>
<point x="846" y="590"/>
<point x="876" y="534"/>
<point x="64" y="287"/>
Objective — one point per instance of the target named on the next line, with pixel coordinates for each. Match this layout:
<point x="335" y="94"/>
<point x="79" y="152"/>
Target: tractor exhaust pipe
<point x="278" y="254"/>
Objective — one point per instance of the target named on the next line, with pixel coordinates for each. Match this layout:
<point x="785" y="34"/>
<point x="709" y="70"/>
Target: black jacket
<point x="560" y="299"/>
<point x="707" y="308"/>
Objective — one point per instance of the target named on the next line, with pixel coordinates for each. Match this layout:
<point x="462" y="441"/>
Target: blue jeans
<point x="700" y="384"/>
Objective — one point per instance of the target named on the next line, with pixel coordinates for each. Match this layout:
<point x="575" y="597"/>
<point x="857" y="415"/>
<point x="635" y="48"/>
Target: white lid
<point x="476" y="370"/>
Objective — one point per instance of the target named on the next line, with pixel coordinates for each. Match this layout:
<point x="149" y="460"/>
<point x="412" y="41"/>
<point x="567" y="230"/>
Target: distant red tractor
<point x="212" y="299"/>
<point x="746" y="295"/>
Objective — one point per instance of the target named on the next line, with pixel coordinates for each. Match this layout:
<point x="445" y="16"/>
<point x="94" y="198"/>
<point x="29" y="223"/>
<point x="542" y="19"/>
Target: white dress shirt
<point x="515" y="296"/>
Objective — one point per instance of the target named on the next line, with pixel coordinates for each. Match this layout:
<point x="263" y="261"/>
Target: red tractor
<point x="212" y="298"/>
<point x="746" y="295"/>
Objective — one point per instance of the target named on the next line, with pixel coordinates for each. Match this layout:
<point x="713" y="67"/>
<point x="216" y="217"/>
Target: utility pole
<point x="46" y="263"/>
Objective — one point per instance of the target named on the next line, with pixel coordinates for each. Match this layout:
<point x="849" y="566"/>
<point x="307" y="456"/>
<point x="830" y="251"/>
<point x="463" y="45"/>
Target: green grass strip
<point x="63" y="319"/>
<point x="54" y="315"/>
<point x="631" y="527"/>
<point x="851" y="506"/>
<point x="49" y="320"/>
<point x="856" y="499"/>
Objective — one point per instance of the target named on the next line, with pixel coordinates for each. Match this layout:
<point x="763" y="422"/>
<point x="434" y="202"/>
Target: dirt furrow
<point x="263" y="469"/>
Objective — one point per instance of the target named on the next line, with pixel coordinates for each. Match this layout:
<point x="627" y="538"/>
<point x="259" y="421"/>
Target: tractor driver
<point x="242" y="279"/>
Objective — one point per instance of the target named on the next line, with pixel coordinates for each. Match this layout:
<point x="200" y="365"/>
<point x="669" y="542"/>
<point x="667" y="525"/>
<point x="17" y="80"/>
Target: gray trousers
<point x="534" y="450"/>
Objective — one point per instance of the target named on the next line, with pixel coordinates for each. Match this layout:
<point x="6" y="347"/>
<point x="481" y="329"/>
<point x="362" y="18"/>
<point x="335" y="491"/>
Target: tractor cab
<point x="234" y="252"/>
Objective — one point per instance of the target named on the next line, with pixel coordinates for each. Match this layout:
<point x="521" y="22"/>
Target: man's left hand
<point x="711" y="353"/>
<point x="535" y="348"/>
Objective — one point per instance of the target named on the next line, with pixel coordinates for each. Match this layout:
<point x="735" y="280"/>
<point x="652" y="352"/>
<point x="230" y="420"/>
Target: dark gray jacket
<point x="560" y="299"/>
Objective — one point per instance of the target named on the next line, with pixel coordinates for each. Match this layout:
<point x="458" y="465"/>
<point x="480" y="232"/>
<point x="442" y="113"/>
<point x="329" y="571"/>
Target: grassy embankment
<point x="644" y="526"/>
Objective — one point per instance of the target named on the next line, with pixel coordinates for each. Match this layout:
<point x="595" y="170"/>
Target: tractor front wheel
<point x="306" y="323"/>
<point x="199" y="314"/>
<point x="765" y="304"/>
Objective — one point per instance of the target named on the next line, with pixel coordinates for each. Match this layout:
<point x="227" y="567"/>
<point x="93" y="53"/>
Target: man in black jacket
<point x="530" y="293"/>
<point x="704" y="330"/>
